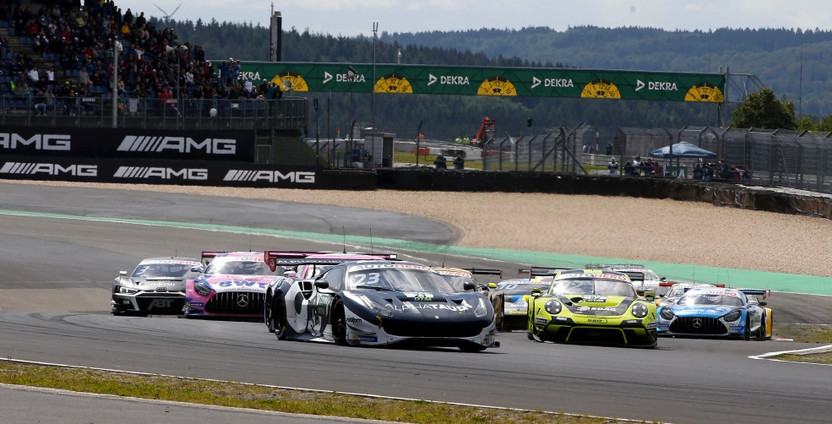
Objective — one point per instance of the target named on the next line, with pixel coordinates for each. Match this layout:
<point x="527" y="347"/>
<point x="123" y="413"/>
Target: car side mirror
<point x="763" y="303"/>
<point x="663" y="279"/>
<point x="196" y="269"/>
<point x="492" y="285"/>
<point x="321" y="284"/>
<point x="468" y="286"/>
<point x="536" y="292"/>
<point x="122" y="273"/>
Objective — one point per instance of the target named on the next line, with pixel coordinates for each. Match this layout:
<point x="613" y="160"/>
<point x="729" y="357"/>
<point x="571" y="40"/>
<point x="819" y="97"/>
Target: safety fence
<point x="776" y="158"/>
<point x="555" y="151"/>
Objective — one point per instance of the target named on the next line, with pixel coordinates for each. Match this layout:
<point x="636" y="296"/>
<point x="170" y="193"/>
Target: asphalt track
<point x="681" y="381"/>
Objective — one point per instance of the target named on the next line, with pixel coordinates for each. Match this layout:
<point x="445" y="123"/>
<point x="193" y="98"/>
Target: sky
<point x="356" y="17"/>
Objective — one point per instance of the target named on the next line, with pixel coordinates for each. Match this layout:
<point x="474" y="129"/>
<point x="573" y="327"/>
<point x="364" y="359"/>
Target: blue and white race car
<point x="715" y="312"/>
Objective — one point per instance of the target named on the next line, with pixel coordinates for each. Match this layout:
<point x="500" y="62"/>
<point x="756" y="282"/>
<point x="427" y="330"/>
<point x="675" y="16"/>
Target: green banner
<point x="465" y="81"/>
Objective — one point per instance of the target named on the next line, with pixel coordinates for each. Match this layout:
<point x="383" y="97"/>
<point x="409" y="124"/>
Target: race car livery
<point x="373" y="303"/>
<point x="592" y="306"/>
<point x="512" y="305"/>
<point x="643" y="279"/>
<point x="233" y="285"/>
<point x="717" y="312"/>
<point x="156" y="286"/>
<point x="676" y="290"/>
<point x="464" y="280"/>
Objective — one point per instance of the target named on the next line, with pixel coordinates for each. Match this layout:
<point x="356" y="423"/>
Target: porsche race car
<point x="592" y="306"/>
<point x="156" y="286"/>
<point x="717" y="312"/>
<point x="373" y="303"/>
<point x="233" y="286"/>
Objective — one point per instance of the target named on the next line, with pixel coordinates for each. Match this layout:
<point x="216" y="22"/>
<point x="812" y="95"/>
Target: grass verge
<point x="806" y="333"/>
<point x="270" y="398"/>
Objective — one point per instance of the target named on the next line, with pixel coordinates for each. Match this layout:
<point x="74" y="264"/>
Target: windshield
<point x="241" y="268"/>
<point x="162" y="270"/>
<point x="457" y="281"/>
<point x="398" y="279"/>
<point x="590" y="285"/>
<point x="706" y="299"/>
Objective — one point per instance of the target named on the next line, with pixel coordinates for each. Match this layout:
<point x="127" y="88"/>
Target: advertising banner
<point x="235" y="146"/>
<point x="208" y="173"/>
<point x="483" y="81"/>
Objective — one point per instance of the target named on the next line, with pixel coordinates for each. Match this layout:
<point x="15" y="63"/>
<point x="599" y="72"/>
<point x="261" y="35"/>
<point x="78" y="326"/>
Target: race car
<point x="305" y="266"/>
<point x="592" y="306"/>
<point x="511" y="297"/>
<point x="643" y="279"/>
<point x="717" y="312"/>
<point x="373" y="303"/>
<point x="156" y="286"/>
<point x="676" y="290"/>
<point x="233" y="286"/>
<point x="464" y="279"/>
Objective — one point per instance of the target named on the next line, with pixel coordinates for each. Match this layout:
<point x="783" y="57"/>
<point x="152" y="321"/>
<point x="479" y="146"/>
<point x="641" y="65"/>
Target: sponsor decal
<point x="552" y="82"/>
<point x="31" y="168"/>
<point x="242" y="300"/>
<point x="541" y="320"/>
<point x="355" y="320"/>
<point x="196" y="304"/>
<point x="420" y="296"/>
<point x="271" y="176"/>
<point x="148" y="172"/>
<point x="596" y="320"/>
<point x="656" y="86"/>
<point x="560" y="318"/>
<point x="385" y="266"/>
<point x="448" y="80"/>
<point x="373" y="339"/>
<point x="595" y="299"/>
<point x="720" y="292"/>
<point x="243" y="283"/>
<point x="651" y="325"/>
<point x="435" y="306"/>
<point x="213" y="146"/>
<point x="160" y="304"/>
<point x="53" y="142"/>
<point x="737" y="327"/>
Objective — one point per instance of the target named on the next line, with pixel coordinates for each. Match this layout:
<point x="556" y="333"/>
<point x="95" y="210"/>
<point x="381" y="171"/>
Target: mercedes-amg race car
<point x="592" y="306"/>
<point x="233" y="285"/>
<point x="156" y="286"/>
<point x="372" y="303"/>
<point x="717" y="312"/>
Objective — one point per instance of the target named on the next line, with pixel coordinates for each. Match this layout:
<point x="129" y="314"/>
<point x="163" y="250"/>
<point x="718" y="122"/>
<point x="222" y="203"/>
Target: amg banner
<point x="227" y="146"/>
<point x="159" y="172"/>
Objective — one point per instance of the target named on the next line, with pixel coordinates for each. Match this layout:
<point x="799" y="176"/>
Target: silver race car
<point x="156" y="286"/>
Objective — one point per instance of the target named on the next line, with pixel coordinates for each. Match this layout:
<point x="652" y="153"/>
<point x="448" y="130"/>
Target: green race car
<point x="592" y="306"/>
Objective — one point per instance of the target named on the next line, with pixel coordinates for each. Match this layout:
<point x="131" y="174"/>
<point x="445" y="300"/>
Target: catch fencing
<point x="775" y="158"/>
<point x="555" y="151"/>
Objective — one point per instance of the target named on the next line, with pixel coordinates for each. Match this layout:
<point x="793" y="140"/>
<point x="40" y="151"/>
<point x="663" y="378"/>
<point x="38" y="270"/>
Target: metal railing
<point x="288" y="113"/>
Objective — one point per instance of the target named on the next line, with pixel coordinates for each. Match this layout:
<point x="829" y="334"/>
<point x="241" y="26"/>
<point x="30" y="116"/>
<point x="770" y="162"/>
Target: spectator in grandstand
<point x="84" y="80"/>
<point x="39" y="103"/>
<point x="459" y="161"/>
<point x="612" y="166"/>
<point x="746" y="174"/>
<point x="698" y="172"/>
<point x="630" y="169"/>
<point x="440" y="162"/>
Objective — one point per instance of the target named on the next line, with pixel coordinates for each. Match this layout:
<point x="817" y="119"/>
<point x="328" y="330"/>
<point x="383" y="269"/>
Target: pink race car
<point x="233" y="286"/>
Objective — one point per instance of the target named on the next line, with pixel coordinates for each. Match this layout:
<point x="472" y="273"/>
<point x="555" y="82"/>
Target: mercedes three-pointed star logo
<point x="697" y="322"/>
<point x="242" y="300"/>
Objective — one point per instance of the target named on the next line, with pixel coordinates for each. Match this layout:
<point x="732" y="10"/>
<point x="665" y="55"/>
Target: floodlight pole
<point x="351" y="75"/>
<point x="373" y="141"/>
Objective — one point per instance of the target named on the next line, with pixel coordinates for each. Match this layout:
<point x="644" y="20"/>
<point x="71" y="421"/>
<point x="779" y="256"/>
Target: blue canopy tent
<point x="679" y="150"/>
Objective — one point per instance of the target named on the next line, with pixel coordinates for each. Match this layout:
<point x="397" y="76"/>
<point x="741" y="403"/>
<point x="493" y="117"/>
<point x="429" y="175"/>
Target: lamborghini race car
<point x="233" y="285"/>
<point x="717" y="312"/>
<point x="592" y="306"/>
<point x="372" y="303"/>
<point x="156" y="286"/>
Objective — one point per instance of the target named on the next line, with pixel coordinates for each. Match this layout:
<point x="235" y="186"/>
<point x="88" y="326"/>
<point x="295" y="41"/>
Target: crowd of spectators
<point x="79" y="39"/>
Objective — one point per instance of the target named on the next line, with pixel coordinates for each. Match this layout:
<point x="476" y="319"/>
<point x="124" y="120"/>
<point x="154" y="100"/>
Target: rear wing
<point x="209" y="255"/>
<point x="757" y="292"/>
<point x="634" y="276"/>
<point x="540" y="271"/>
<point x="602" y="266"/>
<point x="293" y="258"/>
<point x="485" y="271"/>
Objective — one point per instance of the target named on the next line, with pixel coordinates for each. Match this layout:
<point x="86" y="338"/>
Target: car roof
<point x="171" y="260"/>
<point x="382" y="264"/>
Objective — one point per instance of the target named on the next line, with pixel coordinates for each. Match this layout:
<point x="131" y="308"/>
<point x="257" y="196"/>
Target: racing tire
<point x="761" y="332"/>
<point x="530" y="335"/>
<point x="339" y="324"/>
<point x="277" y="318"/>
<point x="472" y="348"/>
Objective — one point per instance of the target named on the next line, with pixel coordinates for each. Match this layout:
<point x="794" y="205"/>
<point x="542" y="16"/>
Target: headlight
<point x="639" y="310"/>
<point x="128" y="290"/>
<point x="481" y="311"/>
<point x="666" y="314"/>
<point x="733" y="316"/>
<point x="553" y="307"/>
<point x="373" y="306"/>
<point x="202" y="289"/>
